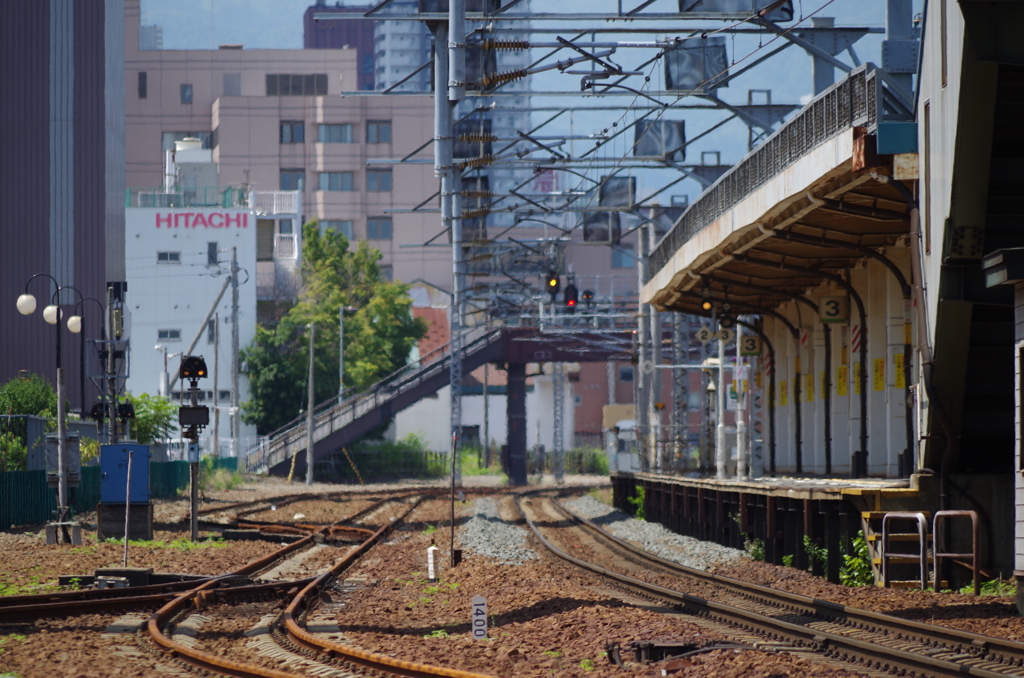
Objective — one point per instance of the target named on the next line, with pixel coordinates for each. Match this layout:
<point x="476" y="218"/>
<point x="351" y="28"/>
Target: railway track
<point x="290" y="629"/>
<point x="866" y="638"/>
<point x="234" y="585"/>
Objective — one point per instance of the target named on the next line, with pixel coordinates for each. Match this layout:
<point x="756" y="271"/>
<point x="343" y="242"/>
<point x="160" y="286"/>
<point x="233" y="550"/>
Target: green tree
<point x="33" y="395"/>
<point x="379" y="334"/>
<point x="28" y="395"/>
<point x="156" y="418"/>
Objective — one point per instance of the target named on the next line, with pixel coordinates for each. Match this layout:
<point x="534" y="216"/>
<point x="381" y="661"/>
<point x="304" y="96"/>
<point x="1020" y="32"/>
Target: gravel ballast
<point x="656" y="539"/>
<point x="487" y="534"/>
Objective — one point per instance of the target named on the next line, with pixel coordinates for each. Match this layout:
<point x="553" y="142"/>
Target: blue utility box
<point x="114" y="473"/>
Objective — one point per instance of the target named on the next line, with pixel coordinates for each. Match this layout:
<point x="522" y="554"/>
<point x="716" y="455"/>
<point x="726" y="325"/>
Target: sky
<point x="277" y="24"/>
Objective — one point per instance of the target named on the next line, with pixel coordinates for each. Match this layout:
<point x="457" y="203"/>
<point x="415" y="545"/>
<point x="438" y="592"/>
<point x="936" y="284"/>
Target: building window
<point x="232" y="84"/>
<point x="168" y="335"/>
<point x="388" y="273"/>
<point x="211" y="254"/>
<point x="167" y="139"/>
<point x="378" y="180"/>
<point x="622" y="256"/>
<point x="342" y="226"/>
<point x="335" y="134"/>
<point x="211" y="330"/>
<point x="284" y="84"/>
<point x="293" y="132"/>
<point x="378" y="228"/>
<point x="142" y="84"/>
<point x="335" y="181"/>
<point x="626" y="373"/>
<point x="378" y="132"/>
<point x="168" y="257"/>
<point x="367" y="65"/>
<point x="186" y="94"/>
<point x="284" y="226"/>
<point x="293" y="180"/>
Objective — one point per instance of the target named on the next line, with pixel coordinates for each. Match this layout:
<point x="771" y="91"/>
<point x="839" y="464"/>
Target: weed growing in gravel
<point x="815" y="552"/>
<point x="438" y="633"/>
<point x="754" y="547"/>
<point x="588" y="665"/>
<point x="787" y="561"/>
<point x="856" y="569"/>
<point x="431" y="529"/>
<point x="639" y="501"/>
<point x="994" y="587"/>
<point x="16" y="637"/>
<point x="557" y="654"/>
<point x="178" y="544"/>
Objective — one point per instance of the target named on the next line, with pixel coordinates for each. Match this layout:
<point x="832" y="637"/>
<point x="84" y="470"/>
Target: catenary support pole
<point x="234" y="353"/>
<point x="216" y="384"/>
<point x="310" y="406"/>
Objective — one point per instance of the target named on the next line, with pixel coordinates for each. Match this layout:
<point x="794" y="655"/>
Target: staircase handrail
<point x="405" y="377"/>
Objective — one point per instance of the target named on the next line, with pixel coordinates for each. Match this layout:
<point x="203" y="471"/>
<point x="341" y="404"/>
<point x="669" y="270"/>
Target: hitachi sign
<point x="204" y="219"/>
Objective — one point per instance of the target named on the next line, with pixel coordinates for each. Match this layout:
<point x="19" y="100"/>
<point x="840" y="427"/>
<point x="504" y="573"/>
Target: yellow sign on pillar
<point x="809" y="388"/>
<point x="783" y="393"/>
<point x="841" y="380"/>
<point x="897" y="376"/>
<point x="856" y="378"/>
<point x="878" y="374"/>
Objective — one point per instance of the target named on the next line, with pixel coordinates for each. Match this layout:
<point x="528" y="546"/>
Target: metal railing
<point x="206" y="196"/>
<point x="865" y="97"/>
<point x="275" y="202"/>
<point x="331" y="415"/>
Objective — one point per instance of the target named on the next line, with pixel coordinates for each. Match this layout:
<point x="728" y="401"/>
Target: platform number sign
<point x="479" y="620"/>
<point x="725" y="335"/>
<point x="705" y="334"/>
<point x="834" y="309"/>
<point x="750" y="346"/>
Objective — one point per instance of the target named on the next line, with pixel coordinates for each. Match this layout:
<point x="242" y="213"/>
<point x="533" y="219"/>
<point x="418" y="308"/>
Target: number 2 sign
<point x="834" y="309"/>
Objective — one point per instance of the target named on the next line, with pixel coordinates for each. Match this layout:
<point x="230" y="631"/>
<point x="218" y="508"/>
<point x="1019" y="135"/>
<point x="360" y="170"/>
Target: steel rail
<point x="304" y="600"/>
<point x="71" y="603"/>
<point x="823" y="641"/>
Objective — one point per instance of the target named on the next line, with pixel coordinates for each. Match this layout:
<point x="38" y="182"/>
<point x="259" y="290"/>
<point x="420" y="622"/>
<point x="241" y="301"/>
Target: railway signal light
<point x="706" y="304"/>
<point x="552" y="283"/>
<point x="193" y="367"/>
<point x="571" y="298"/>
<point x="125" y="411"/>
<point x="588" y="297"/>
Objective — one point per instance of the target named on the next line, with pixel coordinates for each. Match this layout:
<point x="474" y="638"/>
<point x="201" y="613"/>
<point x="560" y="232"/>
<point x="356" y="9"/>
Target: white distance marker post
<point x="432" y="563"/>
<point x="479" y="620"/>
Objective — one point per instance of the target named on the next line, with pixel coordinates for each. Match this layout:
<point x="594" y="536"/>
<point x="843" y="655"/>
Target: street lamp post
<point x="76" y="326"/>
<point x="52" y="314"/>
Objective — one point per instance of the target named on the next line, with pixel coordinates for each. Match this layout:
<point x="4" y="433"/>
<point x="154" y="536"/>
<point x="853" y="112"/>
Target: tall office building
<point x="355" y="33"/>
<point x="62" y="172"/>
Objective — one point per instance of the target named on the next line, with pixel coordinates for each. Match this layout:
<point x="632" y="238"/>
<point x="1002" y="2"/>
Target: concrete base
<point x="64" y="533"/>
<point x="136" y="576"/>
<point x="110" y="521"/>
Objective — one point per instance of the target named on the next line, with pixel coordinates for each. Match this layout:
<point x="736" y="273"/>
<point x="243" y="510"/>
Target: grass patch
<point x="994" y="587"/>
<point x="639" y="502"/>
<point x="177" y="544"/>
<point x="856" y="569"/>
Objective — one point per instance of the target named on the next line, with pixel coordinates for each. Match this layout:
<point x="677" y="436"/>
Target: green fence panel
<point x="229" y="463"/>
<point x="25" y="499"/>
<point x="87" y="495"/>
<point x="166" y="478"/>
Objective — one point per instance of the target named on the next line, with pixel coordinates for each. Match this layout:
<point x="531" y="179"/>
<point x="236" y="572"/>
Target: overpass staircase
<point x="336" y="424"/>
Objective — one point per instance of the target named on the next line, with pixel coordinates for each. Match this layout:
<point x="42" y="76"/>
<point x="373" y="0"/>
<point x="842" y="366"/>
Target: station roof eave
<point x="799" y="219"/>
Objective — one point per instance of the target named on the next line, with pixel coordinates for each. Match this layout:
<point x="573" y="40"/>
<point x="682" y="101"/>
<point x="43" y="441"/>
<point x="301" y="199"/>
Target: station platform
<point x="776" y="512"/>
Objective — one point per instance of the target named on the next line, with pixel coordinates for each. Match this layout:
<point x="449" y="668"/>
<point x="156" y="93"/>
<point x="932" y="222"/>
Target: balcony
<point x="268" y="203"/>
<point x="207" y="196"/>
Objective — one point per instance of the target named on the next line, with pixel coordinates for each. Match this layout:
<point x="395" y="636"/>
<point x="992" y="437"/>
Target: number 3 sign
<point x="834" y="309"/>
<point x="750" y="346"/>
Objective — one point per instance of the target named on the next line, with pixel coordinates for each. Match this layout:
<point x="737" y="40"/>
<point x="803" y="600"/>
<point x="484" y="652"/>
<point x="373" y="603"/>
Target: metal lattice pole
<point x="557" y="444"/>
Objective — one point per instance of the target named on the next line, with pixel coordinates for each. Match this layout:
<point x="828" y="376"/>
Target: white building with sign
<point x="178" y="262"/>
